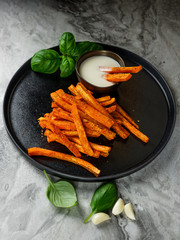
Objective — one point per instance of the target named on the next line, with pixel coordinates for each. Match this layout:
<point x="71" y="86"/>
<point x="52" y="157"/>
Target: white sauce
<point x="89" y="70"/>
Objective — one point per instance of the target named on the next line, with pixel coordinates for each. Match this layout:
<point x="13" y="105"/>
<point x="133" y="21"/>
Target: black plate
<point x="146" y="97"/>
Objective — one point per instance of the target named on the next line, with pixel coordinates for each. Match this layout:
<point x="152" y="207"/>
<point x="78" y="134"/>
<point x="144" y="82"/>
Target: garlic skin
<point x="128" y="210"/>
<point x="100" y="217"/>
<point x="118" y="207"/>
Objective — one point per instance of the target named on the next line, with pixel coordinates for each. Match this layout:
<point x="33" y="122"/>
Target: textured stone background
<point x="148" y="28"/>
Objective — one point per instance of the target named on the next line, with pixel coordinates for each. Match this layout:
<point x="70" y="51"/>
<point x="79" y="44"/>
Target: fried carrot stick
<point x="58" y="100"/>
<point x="104" y="154"/>
<point x="96" y="154"/>
<point x="89" y="133"/>
<point x="91" y="125"/>
<point x="117" y="77"/>
<point x="59" y="113"/>
<point x="62" y="124"/>
<point x="122" y="112"/>
<point x="54" y="105"/>
<point x="61" y="138"/>
<point x="135" y="69"/>
<point x="111" y="109"/>
<point x="73" y="90"/>
<point x="103" y="99"/>
<point x="81" y="132"/>
<point x="109" y="102"/>
<point x="133" y="130"/>
<point x="53" y="154"/>
<point x="95" y="146"/>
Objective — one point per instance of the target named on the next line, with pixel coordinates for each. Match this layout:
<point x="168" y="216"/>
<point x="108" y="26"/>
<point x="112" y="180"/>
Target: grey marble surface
<point x="148" y="28"/>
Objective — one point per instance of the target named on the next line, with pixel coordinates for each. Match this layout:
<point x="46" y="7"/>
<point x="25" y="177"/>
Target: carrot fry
<point x="109" y="102"/>
<point x="81" y="132"/>
<point x="92" y="133"/>
<point x="120" y="130"/>
<point x="91" y="126"/>
<point x="111" y="109"/>
<point x="119" y="121"/>
<point x="122" y="112"/>
<point x="96" y="154"/>
<point x="104" y="154"/>
<point x="133" y="130"/>
<point x="135" y="69"/>
<point x="103" y="99"/>
<point x="73" y="90"/>
<point x="89" y="133"/>
<point x="60" y="92"/>
<point x="52" y="154"/>
<point x="62" y="124"/>
<point x="70" y="133"/>
<point x="90" y="99"/>
<point x="58" y="100"/>
<point x="61" y="114"/>
<point x="117" y="77"/>
<point x="54" y="105"/>
<point x="94" y="146"/>
<point x="61" y="138"/>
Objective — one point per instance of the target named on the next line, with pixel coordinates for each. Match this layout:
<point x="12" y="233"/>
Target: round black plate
<point x="146" y="97"/>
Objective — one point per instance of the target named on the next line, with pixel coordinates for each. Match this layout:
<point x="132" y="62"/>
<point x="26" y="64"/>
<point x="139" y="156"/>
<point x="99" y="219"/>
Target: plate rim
<point x="167" y="93"/>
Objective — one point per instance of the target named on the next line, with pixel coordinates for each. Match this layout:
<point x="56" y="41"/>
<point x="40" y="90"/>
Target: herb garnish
<point x="49" y="61"/>
<point x="61" y="193"/>
<point x="103" y="199"/>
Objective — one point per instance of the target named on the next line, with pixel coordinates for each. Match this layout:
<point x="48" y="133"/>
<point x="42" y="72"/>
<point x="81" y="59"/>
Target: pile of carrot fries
<point x="77" y="116"/>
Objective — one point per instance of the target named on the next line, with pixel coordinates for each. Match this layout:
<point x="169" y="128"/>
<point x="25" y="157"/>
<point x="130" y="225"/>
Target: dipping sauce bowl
<point x="88" y="72"/>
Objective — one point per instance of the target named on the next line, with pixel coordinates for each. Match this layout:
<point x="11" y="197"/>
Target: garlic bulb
<point x="118" y="207"/>
<point x="128" y="209"/>
<point x="100" y="217"/>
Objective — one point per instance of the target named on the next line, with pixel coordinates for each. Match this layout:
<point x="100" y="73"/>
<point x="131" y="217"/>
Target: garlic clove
<point x="118" y="207"/>
<point x="100" y="217"/>
<point x="128" y="209"/>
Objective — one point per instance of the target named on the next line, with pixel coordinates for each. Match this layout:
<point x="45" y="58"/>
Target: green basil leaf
<point x="61" y="194"/>
<point x="67" y="66"/>
<point x="84" y="47"/>
<point x="45" y="61"/>
<point x="103" y="199"/>
<point x="67" y="43"/>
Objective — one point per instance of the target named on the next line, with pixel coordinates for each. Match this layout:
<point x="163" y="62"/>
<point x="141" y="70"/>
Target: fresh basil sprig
<point x="103" y="199"/>
<point x="61" y="194"/>
<point x="84" y="47"/>
<point x="49" y="61"/>
<point x="67" y="66"/>
<point x="45" y="61"/>
<point x="67" y="43"/>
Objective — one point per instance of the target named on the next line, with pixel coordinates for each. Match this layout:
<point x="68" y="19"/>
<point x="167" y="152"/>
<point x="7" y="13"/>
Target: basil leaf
<point x="67" y="66"/>
<point x="45" y="61"/>
<point x="61" y="194"/>
<point x="84" y="47"/>
<point x="103" y="199"/>
<point x="67" y="43"/>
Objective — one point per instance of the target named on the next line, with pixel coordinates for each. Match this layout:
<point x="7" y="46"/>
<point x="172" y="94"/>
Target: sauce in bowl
<point x="89" y="70"/>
